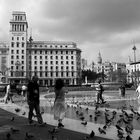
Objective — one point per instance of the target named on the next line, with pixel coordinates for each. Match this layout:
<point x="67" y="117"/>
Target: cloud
<point x="95" y="25"/>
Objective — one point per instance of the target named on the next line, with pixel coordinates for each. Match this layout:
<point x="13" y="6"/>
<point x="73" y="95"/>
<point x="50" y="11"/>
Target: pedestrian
<point x="59" y="102"/>
<point x="9" y="92"/>
<point x="122" y="89"/>
<point x="24" y="89"/>
<point x="33" y="100"/>
<point x="138" y="92"/>
<point x="100" y="90"/>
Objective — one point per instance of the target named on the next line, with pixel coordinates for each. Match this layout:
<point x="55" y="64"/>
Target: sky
<point x="111" y="27"/>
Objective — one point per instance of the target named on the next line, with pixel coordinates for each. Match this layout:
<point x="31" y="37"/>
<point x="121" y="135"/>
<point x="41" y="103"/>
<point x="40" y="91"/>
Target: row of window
<point x="17" y="56"/>
<point x="52" y="62"/>
<point x="17" y="44"/>
<point x="17" y="51"/>
<point x="46" y="68"/>
<point x="50" y="52"/>
<point x="18" y="27"/>
<point x="17" y="38"/>
<point x="51" y="74"/>
<point x="52" y="57"/>
<point x="19" y="18"/>
<point x="51" y="46"/>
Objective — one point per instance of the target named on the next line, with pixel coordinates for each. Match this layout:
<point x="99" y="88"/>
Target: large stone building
<point x="4" y="48"/>
<point x="46" y="59"/>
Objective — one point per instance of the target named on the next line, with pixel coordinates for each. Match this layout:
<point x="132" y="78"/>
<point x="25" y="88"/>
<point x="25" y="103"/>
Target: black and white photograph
<point x="69" y="70"/>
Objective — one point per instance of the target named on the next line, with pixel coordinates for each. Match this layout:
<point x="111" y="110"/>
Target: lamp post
<point x="30" y="59"/>
<point x="135" y="77"/>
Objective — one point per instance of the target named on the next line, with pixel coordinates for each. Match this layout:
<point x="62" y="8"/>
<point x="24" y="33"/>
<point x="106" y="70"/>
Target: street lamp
<point x="134" y="49"/>
<point x="30" y="59"/>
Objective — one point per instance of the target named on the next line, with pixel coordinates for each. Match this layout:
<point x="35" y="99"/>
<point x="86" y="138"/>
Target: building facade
<point x="4" y="70"/>
<point x="48" y="60"/>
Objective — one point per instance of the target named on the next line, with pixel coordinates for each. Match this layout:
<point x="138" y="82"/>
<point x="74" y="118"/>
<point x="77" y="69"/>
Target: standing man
<point x="138" y="92"/>
<point x="33" y="100"/>
<point x="99" y="89"/>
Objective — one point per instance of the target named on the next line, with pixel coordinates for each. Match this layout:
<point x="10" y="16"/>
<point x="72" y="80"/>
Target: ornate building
<point x="46" y="59"/>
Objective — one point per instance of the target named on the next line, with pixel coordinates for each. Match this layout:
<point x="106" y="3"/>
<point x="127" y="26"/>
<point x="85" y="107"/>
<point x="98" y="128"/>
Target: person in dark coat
<point x="122" y="89"/>
<point x="33" y="100"/>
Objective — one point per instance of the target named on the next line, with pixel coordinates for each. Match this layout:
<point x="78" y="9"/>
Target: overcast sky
<point x="109" y="26"/>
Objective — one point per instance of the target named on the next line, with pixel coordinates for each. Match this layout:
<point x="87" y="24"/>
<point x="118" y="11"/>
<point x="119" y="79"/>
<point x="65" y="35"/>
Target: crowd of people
<point x="31" y="94"/>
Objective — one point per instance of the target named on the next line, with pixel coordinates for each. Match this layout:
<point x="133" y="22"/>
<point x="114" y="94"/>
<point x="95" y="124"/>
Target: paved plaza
<point x="82" y="116"/>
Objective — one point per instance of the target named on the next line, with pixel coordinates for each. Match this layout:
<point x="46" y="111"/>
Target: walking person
<point x="33" y="100"/>
<point x="138" y="92"/>
<point x="59" y="102"/>
<point x="122" y="89"/>
<point x="24" y="89"/>
<point x="10" y="92"/>
<point x="100" y="90"/>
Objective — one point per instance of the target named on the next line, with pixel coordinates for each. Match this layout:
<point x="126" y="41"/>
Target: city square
<point x="69" y="70"/>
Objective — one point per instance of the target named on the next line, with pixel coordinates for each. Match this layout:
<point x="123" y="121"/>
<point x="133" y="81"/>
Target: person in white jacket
<point x="138" y="91"/>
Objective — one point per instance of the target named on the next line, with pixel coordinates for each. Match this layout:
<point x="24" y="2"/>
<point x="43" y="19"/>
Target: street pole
<point x="30" y="59"/>
<point x="135" y="77"/>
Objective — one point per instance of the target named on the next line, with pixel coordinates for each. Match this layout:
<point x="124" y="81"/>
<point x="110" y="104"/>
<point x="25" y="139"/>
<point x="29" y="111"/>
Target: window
<point x="22" y="38"/>
<point x="51" y="67"/>
<point x="66" y="52"/>
<point x="17" y="38"/>
<point x="51" y="62"/>
<point x="22" y="44"/>
<point x="61" y="46"/>
<point x="17" y="51"/>
<point x="71" y="57"/>
<point x="67" y="74"/>
<point x="46" y="57"/>
<point x="35" y="67"/>
<point x="61" y="62"/>
<point x="71" y="52"/>
<point x="35" y="62"/>
<point x="72" y="62"/>
<point x="66" y="46"/>
<point x="12" y="44"/>
<point x="40" y="67"/>
<point x="17" y="44"/>
<point x="72" y="74"/>
<point x="61" y="74"/>
<point x="56" y="52"/>
<point x="61" y="52"/>
<point x="46" y="62"/>
<point x="61" y="57"/>
<point x="12" y="57"/>
<point x="12" y="38"/>
<point x="56" y="67"/>
<point x="12" y="51"/>
<point x="72" y="67"/>
<point x="40" y="52"/>
<point x="12" y="62"/>
<point x="67" y="67"/>
<point x="17" y="57"/>
<point x="46" y="74"/>
<point x="51" y="74"/>
<point x="46" y="68"/>
<point x="40" y="57"/>
<point x="45" y="52"/>
<point x="51" y="52"/>
<point x="22" y="62"/>
<point x="51" y="57"/>
<point x="22" y="67"/>
<point x="12" y="67"/>
<point x="56" y="57"/>
<point x="57" y="62"/>
<point x="22" y="51"/>
<point x="67" y="62"/>
<point x="62" y="67"/>
<point x="55" y="46"/>
<point x="35" y="57"/>
<point x="67" y="57"/>
<point x="56" y="74"/>
<point x="40" y="62"/>
<point x="40" y="74"/>
<point x="35" y="52"/>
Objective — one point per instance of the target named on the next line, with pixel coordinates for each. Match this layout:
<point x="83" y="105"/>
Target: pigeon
<point x="90" y="116"/>
<point x="82" y="118"/>
<point x="101" y="131"/>
<point x="77" y="112"/>
<point x="13" y="118"/>
<point x="84" y="123"/>
<point x="87" y="109"/>
<point x="118" y="127"/>
<point x="53" y="131"/>
<point x="23" y="113"/>
<point x="28" y="136"/>
<point x="17" y="110"/>
<point x="14" y="130"/>
<point x="105" y="127"/>
<point x="92" y="134"/>
<point x="8" y="135"/>
<point x="128" y="138"/>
